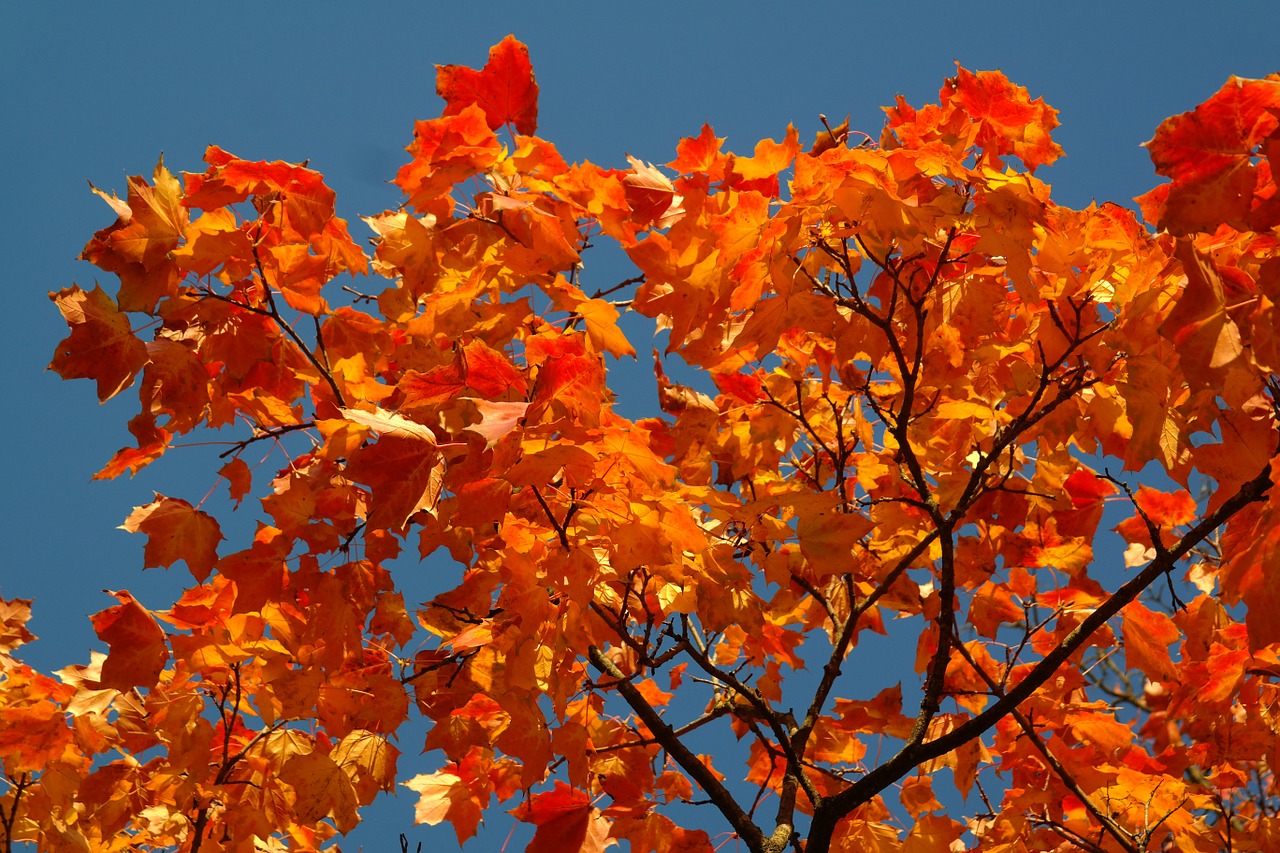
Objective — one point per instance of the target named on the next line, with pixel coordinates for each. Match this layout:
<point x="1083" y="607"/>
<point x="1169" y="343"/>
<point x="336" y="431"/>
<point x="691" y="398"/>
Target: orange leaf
<point x="306" y="203"/>
<point x="136" y="644"/>
<point x="770" y="157"/>
<point x="1166" y="508"/>
<point x="1009" y="122"/>
<point x="176" y="531"/>
<point x="404" y="474"/>
<point x="700" y="153"/>
<point x="137" y="246"/>
<point x="369" y="760"/>
<point x="14" y="615"/>
<point x="917" y="795"/>
<point x="476" y="366"/>
<point x="569" y="378"/>
<point x="1147" y="636"/>
<point x="1247" y="446"/>
<point x="435" y="386"/>
<point x="321" y="789"/>
<point x="1207" y="338"/>
<point x="446" y="151"/>
<point x="239" y="478"/>
<point x="102" y="346"/>
<point x="505" y="88"/>
<point x="933" y="834"/>
<point x="33" y="728"/>
<point x="602" y="328"/>
<point x="1099" y="730"/>
<point x="827" y="540"/>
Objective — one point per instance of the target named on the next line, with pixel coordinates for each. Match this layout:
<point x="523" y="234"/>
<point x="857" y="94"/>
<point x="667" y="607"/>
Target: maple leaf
<point x="1008" y="120"/>
<point x="651" y="195"/>
<point x="497" y="419"/>
<point x="602" y="328"/>
<point x="569" y="378"/>
<point x="34" y="731"/>
<point x="446" y="151"/>
<point x="392" y="424"/>
<point x="14" y="615"/>
<point x="307" y="204"/>
<point x="897" y="379"/>
<point x="239" y="478"/>
<point x="504" y="89"/>
<point x="137" y="247"/>
<point x="1200" y="325"/>
<point x="321" y="789"/>
<point x="1147" y="637"/>
<point x="406" y="475"/>
<point x="565" y="821"/>
<point x="102" y="346"/>
<point x="1207" y="152"/>
<point x="456" y="794"/>
<point x="176" y="531"/>
<point x="475" y="365"/>
<point x="136" y="644"/>
<point x="828" y="539"/>
<point x="370" y="760"/>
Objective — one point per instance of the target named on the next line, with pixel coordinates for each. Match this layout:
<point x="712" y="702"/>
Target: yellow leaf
<point x="602" y="328"/>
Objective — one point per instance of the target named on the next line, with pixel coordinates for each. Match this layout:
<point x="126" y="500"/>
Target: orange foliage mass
<point x="901" y="387"/>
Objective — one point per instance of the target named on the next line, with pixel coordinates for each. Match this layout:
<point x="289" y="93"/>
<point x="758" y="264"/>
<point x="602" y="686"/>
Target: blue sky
<point x="94" y="92"/>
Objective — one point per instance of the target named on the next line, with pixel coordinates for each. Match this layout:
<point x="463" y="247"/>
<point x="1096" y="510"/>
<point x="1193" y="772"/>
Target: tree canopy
<point x="900" y="388"/>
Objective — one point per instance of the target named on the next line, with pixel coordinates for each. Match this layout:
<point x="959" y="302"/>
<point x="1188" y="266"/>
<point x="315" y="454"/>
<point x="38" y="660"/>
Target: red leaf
<point x="1207" y="153"/>
<point x="504" y="88"/>
<point x="1086" y="488"/>
<point x="746" y="388"/>
<point x="566" y="822"/>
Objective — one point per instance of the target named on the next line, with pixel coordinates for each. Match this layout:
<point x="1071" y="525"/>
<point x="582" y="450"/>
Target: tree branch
<point x="666" y="736"/>
<point x="829" y="813"/>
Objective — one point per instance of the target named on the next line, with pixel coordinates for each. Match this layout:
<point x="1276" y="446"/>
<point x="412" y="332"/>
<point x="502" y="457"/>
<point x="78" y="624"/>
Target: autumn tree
<point x="901" y="388"/>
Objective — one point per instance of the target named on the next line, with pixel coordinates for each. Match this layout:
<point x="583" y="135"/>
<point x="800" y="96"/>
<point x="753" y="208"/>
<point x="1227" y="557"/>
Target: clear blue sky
<point x="96" y="91"/>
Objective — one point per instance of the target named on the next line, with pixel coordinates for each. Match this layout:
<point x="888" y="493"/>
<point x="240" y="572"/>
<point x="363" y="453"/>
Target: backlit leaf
<point x="504" y="88"/>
